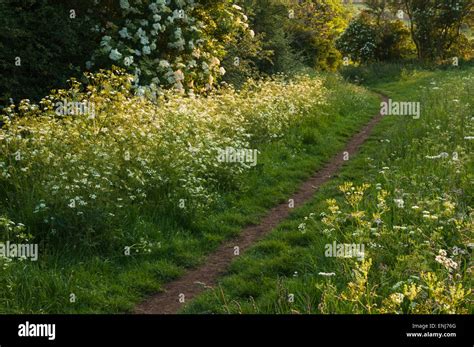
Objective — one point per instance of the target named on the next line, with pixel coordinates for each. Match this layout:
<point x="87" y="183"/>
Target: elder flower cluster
<point x="164" y="45"/>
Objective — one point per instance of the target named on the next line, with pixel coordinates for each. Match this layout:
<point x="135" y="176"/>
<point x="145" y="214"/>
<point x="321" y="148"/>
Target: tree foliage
<point x="41" y="46"/>
<point x="435" y="25"/>
<point x="315" y="27"/>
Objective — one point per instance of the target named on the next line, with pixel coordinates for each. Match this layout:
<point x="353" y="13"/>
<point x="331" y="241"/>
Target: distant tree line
<point x="194" y="45"/>
<point x="430" y="30"/>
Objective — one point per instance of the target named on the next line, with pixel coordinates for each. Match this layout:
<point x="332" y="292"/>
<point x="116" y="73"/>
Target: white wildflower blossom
<point x="399" y="202"/>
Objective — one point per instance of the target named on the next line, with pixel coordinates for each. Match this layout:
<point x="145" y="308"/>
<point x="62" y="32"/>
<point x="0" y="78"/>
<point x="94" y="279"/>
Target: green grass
<point x="281" y="274"/>
<point x="108" y="282"/>
<point x="289" y="261"/>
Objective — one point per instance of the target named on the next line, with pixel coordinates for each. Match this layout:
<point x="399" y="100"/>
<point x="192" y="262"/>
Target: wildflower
<point x="411" y="292"/>
<point x="397" y="298"/>
<point x="178" y="75"/>
<point x="144" y="40"/>
<point x="38" y="208"/>
<point x="154" y="8"/>
<point x="140" y="33"/>
<point x="302" y="226"/>
<point x="442" y="155"/>
<point x="448" y="263"/>
<point x="105" y="41"/>
<point x="399" y="202"/>
<point x="164" y="64"/>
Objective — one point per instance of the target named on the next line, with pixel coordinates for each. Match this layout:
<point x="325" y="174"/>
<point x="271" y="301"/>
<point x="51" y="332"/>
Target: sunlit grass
<point x="83" y="254"/>
<point x="414" y="218"/>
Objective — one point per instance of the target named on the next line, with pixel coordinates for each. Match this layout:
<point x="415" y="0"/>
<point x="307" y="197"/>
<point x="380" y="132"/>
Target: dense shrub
<point x="394" y="42"/>
<point x="168" y="43"/>
<point x="314" y="29"/>
<point x="41" y="46"/>
<point x="270" y="21"/>
<point x="359" y="40"/>
<point x="173" y="43"/>
<point x="242" y="48"/>
<point x="366" y="40"/>
<point x="462" y="48"/>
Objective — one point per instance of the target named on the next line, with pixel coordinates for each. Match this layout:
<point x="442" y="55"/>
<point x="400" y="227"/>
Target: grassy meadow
<point x="128" y="198"/>
<point x="407" y="196"/>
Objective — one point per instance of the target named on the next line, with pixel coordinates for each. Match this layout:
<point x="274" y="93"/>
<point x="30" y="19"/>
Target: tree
<point x="315" y="27"/>
<point x="359" y="40"/>
<point x="377" y="9"/>
<point x="270" y="21"/>
<point x="367" y="38"/>
<point x="42" y="44"/>
<point x="435" y="25"/>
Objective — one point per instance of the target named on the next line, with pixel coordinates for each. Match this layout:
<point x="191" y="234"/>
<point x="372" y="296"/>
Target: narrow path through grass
<point x="407" y="197"/>
<point x="103" y="280"/>
<point x="178" y="292"/>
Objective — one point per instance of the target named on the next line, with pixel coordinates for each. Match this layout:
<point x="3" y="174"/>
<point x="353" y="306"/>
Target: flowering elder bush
<point x="172" y="43"/>
<point x="83" y="173"/>
<point x="359" y="40"/>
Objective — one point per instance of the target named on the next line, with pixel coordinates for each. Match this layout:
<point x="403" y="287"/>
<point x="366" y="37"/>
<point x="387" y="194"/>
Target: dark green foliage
<point x="394" y="41"/>
<point x="359" y="41"/>
<point x="435" y="26"/>
<point x="289" y="35"/>
<point x="368" y="39"/>
<point x="270" y="20"/>
<point x="52" y="46"/>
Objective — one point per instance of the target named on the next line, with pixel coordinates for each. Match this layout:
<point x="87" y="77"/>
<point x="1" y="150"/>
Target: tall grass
<point x="407" y="197"/>
<point x="88" y="188"/>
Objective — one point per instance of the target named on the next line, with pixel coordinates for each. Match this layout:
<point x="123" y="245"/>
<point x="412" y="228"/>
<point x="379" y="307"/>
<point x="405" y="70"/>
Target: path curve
<point x="196" y="281"/>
